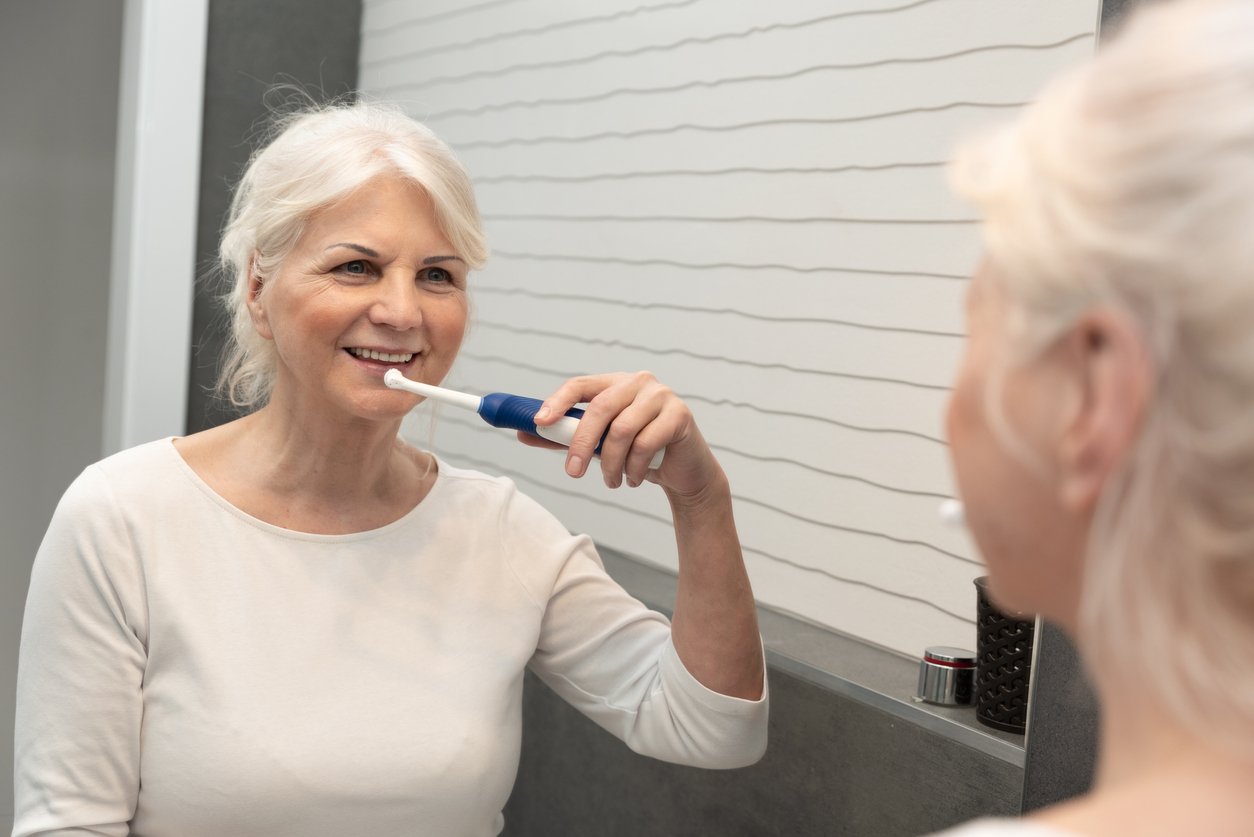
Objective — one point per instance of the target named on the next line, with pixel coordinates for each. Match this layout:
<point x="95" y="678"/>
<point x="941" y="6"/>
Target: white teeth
<point x="374" y="354"/>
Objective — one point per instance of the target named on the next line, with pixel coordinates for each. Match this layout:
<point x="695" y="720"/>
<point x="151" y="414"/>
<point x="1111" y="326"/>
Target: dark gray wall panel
<point x="834" y="766"/>
<point x="1114" y="11"/>
<point x="1063" y="723"/>
<point x="252" y="45"/>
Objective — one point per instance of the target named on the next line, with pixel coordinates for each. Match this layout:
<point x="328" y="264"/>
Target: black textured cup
<point x="1003" y="648"/>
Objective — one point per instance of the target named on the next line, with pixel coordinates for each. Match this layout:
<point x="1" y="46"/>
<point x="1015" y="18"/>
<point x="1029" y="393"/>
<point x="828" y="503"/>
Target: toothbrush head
<point x="393" y="379"/>
<point x="952" y="512"/>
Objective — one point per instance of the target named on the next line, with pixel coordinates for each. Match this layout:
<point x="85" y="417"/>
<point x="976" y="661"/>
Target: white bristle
<point x="952" y="513"/>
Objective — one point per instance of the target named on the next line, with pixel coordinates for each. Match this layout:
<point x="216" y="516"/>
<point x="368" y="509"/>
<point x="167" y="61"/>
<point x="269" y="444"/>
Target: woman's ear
<point x="256" y="310"/>
<point x="1113" y="376"/>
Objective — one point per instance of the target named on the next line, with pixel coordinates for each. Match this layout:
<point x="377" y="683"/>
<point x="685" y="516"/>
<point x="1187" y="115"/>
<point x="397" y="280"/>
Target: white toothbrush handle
<point x="562" y="431"/>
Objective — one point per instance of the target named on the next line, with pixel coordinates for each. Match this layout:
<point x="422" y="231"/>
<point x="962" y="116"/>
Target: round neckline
<point x="217" y="499"/>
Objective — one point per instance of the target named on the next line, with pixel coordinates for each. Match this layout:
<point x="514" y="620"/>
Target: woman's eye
<point x="439" y="275"/>
<point x="356" y="267"/>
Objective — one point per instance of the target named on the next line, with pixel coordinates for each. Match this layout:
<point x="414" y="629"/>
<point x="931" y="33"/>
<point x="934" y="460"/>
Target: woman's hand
<point x="643" y="417"/>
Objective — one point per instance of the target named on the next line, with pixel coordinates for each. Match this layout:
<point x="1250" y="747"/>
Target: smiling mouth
<point x="380" y="357"/>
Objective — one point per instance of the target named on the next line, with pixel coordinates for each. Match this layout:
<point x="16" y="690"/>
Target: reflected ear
<point x="1114" y="377"/>
<point x="255" y="309"/>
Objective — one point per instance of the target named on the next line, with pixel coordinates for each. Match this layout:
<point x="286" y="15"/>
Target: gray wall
<point x="252" y="45"/>
<point x="59" y="62"/>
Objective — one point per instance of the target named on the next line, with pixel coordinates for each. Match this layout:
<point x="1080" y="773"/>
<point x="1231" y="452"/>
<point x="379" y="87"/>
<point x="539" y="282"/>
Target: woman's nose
<point x="398" y="305"/>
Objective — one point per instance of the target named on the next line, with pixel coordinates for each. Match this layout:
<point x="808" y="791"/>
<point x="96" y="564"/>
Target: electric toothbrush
<point x="500" y="409"/>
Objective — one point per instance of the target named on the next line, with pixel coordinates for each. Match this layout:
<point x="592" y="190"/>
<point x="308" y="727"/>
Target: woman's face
<point x="370" y="275"/>
<point x="1032" y="544"/>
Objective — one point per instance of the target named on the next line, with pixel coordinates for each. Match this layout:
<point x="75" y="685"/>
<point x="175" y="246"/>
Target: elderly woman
<point x="298" y="624"/>
<point x="1102" y="424"/>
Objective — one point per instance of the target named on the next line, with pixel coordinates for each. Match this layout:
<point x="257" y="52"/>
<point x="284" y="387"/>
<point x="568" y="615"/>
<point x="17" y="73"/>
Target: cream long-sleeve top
<point x="187" y="669"/>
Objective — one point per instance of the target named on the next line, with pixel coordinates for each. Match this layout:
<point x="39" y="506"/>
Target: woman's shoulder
<point x="97" y="509"/>
<point x="90" y="534"/>
<point x="1004" y="828"/>
<point x="524" y="524"/>
<point x="488" y="492"/>
<point x="469" y="479"/>
<point x="137" y="470"/>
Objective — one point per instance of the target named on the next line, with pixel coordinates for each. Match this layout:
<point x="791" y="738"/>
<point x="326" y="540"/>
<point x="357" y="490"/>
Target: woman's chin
<point x="374" y="405"/>
<point x="391" y="407"/>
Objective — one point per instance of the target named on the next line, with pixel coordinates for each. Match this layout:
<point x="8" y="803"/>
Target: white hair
<point x="317" y="156"/>
<point x="1130" y="184"/>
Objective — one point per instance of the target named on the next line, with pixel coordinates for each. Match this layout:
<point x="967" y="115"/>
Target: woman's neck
<point x="332" y="459"/>
<point x="309" y="470"/>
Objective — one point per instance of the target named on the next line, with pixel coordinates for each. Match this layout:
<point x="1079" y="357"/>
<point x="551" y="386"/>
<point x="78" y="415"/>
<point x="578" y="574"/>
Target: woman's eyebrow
<point x="434" y="259"/>
<point x="366" y="251"/>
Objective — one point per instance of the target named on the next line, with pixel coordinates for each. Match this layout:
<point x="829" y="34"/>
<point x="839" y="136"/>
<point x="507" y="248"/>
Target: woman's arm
<point x="80" y="673"/>
<point x="715" y="625"/>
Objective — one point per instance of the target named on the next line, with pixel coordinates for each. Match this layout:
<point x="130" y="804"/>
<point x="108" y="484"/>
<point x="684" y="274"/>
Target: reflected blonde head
<point x="1130" y="184"/>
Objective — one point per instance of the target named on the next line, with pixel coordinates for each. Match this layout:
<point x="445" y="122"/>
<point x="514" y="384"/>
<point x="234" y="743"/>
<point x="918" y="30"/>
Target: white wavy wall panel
<point x="749" y="200"/>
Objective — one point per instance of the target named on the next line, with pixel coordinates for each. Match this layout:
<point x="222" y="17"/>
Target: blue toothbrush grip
<point x="517" y="412"/>
<point x="510" y="411"/>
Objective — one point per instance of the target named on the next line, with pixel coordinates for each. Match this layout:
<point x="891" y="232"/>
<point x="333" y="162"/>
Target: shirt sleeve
<point x="80" y="673"/>
<point x="612" y="659"/>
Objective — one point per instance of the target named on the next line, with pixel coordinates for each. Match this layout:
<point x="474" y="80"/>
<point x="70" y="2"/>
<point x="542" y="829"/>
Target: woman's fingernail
<point x="633" y="483"/>
<point x="542" y="413"/>
<point x="574" y="465"/>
